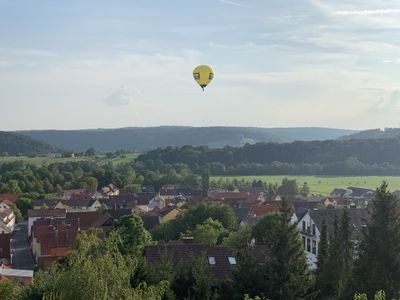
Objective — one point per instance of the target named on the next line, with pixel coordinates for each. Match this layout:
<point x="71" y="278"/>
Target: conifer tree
<point x="378" y="263"/>
<point x="322" y="258"/>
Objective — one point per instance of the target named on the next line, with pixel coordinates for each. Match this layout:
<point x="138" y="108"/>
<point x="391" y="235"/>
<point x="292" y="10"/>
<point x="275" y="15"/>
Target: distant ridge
<point x="387" y="133"/>
<point x="145" y="138"/>
<point x="18" y="144"/>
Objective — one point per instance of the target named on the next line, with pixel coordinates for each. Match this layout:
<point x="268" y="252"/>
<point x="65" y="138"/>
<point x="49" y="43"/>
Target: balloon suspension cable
<point x="202" y="88"/>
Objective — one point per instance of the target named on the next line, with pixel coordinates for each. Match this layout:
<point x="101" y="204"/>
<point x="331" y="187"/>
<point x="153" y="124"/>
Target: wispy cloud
<point x="228" y="2"/>
<point x="367" y="12"/>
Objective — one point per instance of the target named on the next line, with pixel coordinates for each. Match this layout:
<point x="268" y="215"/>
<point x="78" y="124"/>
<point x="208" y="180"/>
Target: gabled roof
<point x="359" y="218"/>
<point x="241" y="213"/>
<point x="149" y="222"/>
<point x="359" y="192"/>
<point x="338" y="192"/>
<point x="263" y="209"/>
<point x="166" y="210"/>
<point x="221" y="270"/>
<point x="43" y="213"/>
<point x="89" y="219"/>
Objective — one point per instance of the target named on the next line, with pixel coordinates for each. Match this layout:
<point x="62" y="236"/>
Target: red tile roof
<point x="261" y="210"/>
<point x="10" y="197"/>
<point x="44" y="213"/>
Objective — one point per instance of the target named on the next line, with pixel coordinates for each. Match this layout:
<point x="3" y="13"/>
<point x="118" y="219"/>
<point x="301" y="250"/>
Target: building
<point x="221" y="260"/>
<point x="23" y="276"/>
<point x="170" y="191"/>
<point x="238" y="199"/>
<point x="7" y="220"/>
<point x="110" y="190"/>
<point x="35" y="214"/>
<point x="5" y="248"/>
<point x="168" y="213"/>
<point x="310" y="224"/>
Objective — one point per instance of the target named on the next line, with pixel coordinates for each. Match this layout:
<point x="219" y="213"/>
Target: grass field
<point x="125" y="158"/>
<point x="40" y="160"/>
<point x="325" y="184"/>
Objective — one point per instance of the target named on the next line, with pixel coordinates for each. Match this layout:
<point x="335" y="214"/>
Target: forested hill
<point x="145" y="138"/>
<point x="387" y="133"/>
<point x="17" y="144"/>
<point x="331" y="157"/>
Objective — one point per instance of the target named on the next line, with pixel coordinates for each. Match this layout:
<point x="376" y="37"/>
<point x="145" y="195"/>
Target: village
<point x="52" y="226"/>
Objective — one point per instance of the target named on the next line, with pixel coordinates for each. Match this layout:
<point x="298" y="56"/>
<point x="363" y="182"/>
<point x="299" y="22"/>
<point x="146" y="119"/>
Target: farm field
<point x="39" y="160"/>
<point x="325" y="184"/>
<point x="100" y="159"/>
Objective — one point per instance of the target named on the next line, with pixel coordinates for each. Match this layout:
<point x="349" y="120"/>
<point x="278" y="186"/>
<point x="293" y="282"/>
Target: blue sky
<point x="91" y="64"/>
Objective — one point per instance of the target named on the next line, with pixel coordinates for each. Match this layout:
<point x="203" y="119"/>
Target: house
<point x="238" y="199"/>
<point x="82" y="204"/>
<point x="168" y="213"/>
<point x="23" y="276"/>
<point x="339" y="193"/>
<point x="122" y="201"/>
<point x="170" y="191"/>
<point x="76" y="193"/>
<point x="52" y="204"/>
<point x="221" y="260"/>
<point x="10" y="197"/>
<point x="241" y="214"/>
<point x="35" y="214"/>
<point x="5" y="249"/>
<point x="7" y="220"/>
<point x="110" y="190"/>
<point x="258" y="211"/>
<point x="156" y="202"/>
<point x="396" y="193"/>
<point x="92" y="219"/>
<point x="273" y="197"/>
<point x="361" y="193"/>
<point x="52" y="239"/>
<point x="150" y="221"/>
<point x="309" y="227"/>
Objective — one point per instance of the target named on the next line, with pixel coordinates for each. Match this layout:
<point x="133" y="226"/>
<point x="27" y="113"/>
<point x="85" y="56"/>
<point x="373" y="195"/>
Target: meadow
<point x="323" y="185"/>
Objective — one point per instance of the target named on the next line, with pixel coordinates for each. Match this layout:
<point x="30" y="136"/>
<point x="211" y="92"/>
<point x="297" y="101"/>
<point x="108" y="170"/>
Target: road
<point x="22" y="255"/>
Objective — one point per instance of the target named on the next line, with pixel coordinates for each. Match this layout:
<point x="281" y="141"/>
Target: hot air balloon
<point x="203" y="75"/>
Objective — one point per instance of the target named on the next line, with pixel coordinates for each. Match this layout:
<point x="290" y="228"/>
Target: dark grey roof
<point x="359" y="218"/>
<point x="300" y="207"/>
<point x="118" y="213"/>
<point x="359" y="192"/>
<point x="49" y="203"/>
<point x="241" y="213"/>
<point x="149" y="222"/>
<point x="221" y="270"/>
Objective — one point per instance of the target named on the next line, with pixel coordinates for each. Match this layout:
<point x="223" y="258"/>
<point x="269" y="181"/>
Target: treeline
<point x="345" y="157"/>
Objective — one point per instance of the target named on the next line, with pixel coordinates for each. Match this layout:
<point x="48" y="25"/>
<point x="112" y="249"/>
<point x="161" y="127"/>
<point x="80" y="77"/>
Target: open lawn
<point x="325" y="184"/>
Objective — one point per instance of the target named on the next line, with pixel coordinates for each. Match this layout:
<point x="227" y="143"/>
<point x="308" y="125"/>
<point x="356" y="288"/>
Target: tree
<point x="288" y="187"/>
<point x="378" y="263"/>
<point x="240" y="238"/>
<point x="94" y="270"/>
<point x="90" y="152"/>
<point x="305" y="190"/>
<point x="12" y="187"/>
<point x="91" y="183"/>
<point x="132" y="233"/>
<point x="9" y="290"/>
<point x="209" y="232"/>
<point x="322" y="258"/>
<point x="205" y="182"/>
<point x="286" y="271"/>
<point x="23" y="204"/>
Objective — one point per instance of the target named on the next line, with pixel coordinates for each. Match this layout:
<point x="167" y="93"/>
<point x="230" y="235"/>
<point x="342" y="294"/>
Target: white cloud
<point x="122" y="97"/>
<point x="390" y="104"/>
<point x="367" y="12"/>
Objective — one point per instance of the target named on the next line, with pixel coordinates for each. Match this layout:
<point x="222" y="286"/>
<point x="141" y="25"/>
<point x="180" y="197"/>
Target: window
<point x="304" y="243"/>
<point x="314" y="247"/>
<point x="308" y="245"/>
<point x="211" y="260"/>
<point x="304" y="225"/>
<point x="232" y="260"/>
<point x="313" y="229"/>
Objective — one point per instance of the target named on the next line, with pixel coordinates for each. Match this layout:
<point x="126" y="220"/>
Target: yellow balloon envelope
<point x="203" y="75"/>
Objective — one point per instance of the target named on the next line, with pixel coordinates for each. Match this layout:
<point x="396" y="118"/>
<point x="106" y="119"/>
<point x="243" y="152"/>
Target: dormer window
<point x="232" y="260"/>
<point x="211" y="260"/>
